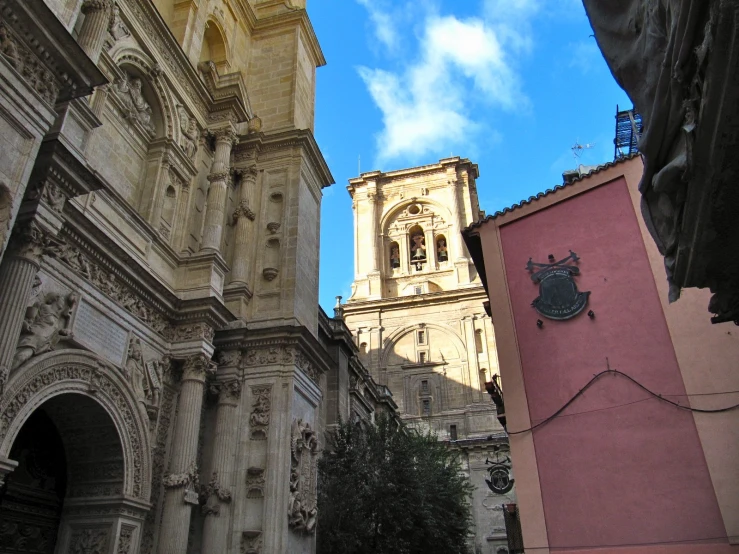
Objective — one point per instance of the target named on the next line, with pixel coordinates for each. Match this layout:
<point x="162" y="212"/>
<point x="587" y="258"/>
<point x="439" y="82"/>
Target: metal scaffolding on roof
<point x="628" y="131"/>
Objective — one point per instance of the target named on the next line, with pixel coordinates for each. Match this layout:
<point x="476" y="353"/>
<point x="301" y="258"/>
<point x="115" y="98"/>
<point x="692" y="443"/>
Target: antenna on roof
<point x="577" y="149"/>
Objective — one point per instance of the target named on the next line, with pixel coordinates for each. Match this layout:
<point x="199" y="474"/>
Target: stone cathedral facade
<point x="163" y="359"/>
<point x="418" y="318"/>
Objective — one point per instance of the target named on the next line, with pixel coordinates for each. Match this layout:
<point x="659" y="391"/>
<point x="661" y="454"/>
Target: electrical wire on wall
<point x="615" y="372"/>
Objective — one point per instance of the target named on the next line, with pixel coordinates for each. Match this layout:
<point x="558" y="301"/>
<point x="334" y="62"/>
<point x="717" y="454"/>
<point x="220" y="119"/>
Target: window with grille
<point x="453" y="432"/>
<point x="418" y="289"/>
<point x="426" y="407"/>
<point x="421" y="337"/>
<point x="422" y="357"/>
<point x="424" y="386"/>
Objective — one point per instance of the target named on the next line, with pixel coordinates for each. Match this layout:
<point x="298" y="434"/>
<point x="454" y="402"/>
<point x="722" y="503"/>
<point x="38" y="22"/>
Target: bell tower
<point x="407" y="229"/>
<point x="416" y="313"/>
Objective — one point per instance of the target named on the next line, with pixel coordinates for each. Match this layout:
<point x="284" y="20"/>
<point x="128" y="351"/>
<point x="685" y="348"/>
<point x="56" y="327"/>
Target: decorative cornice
<point x="56" y="55"/>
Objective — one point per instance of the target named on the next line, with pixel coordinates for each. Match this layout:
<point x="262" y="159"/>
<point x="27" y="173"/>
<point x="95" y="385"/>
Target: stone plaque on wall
<point x="99" y="333"/>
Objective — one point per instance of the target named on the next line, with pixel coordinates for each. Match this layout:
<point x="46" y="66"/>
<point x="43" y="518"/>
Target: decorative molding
<point x="302" y="508"/>
<point x="81" y="372"/>
<point x="260" y="413"/>
<point x="89" y="541"/>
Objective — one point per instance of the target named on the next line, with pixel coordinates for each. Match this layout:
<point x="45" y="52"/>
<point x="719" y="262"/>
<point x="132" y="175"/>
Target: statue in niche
<point x="418" y="248"/>
<point x="116" y="27"/>
<point x="190" y="133"/>
<point x="145" y="377"/>
<point x="441" y="252"/>
<point x="135" y="370"/>
<point x="394" y="256"/>
<point x="129" y="91"/>
<point x="46" y="322"/>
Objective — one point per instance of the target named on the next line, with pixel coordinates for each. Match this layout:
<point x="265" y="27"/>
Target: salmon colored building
<point x="619" y="469"/>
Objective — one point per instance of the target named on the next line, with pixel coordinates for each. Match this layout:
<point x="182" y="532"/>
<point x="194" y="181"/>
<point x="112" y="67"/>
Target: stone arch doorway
<point x="70" y="463"/>
<point x="101" y="441"/>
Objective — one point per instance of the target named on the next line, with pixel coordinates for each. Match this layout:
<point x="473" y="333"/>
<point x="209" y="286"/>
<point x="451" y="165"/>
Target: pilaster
<point x="182" y="479"/>
<point x="94" y="26"/>
<point x="225" y="139"/>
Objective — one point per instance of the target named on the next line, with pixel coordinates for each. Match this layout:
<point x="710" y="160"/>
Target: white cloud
<point x="427" y="106"/>
<point x="383" y="22"/>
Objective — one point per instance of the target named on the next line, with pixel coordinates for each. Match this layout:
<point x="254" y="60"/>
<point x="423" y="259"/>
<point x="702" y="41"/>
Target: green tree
<point x="384" y="489"/>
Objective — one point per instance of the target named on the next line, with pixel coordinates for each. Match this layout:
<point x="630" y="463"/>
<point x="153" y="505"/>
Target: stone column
<point x="17" y="272"/>
<point x="183" y="466"/>
<point x="94" y="26"/>
<point x="458" y="248"/>
<point x="243" y="236"/>
<point x="374" y="233"/>
<point x="217" y="510"/>
<point x="215" y="213"/>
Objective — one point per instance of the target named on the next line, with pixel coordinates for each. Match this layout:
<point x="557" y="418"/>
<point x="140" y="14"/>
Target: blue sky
<point x="510" y="84"/>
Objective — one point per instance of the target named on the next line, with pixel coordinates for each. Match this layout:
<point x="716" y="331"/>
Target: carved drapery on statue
<point x="46" y="322"/>
<point x="129" y="91"/>
<point x="302" y="510"/>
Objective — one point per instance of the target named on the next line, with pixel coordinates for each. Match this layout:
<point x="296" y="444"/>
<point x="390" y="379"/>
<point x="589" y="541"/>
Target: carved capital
<point x="218" y="176"/>
<point x="250" y="174"/>
<point x="30" y="241"/>
<point x="90" y="6"/>
<point x="228" y="392"/>
<point x="197" y="368"/>
<point x="225" y="136"/>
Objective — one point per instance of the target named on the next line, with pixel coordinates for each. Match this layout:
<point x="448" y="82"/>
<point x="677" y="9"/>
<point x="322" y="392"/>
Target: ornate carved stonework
<point x="45" y="323"/>
<point x="125" y="539"/>
<point x="158" y="466"/>
<point x="260" y="412"/>
<point x="255" y="481"/>
<point x="107" y="281"/>
<point x="213" y="494"/>
<point x="36" y="74"/>
<point x="198" y="367"/>
<point x="89" y="541"/>
<point x="31" y="242"/>
<point x="192" y="331"/>
<point x="302" y="511"/>
<point x="116" y="27"/>
<point x="243" y="210"/>
<point x="251" y="542"/>
<point x="175" y="480"/>
<point x="135" y="107"/>
<point x="21" y="393"/>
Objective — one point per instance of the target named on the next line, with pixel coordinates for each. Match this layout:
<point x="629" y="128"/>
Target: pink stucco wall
<point x="618" y="468"/>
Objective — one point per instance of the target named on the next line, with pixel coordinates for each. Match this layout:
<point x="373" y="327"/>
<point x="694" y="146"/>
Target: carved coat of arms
<point x="558" y="295"/>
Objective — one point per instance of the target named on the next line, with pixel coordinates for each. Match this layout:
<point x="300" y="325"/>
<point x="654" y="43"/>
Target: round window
<point x="500" y="480"/>
<point x="414" y="209"/>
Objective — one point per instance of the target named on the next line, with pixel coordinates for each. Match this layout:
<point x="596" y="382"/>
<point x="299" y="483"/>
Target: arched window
<point x="417" y="242"/>
<point x="214" y="48"/>
<point x="442" y="254"/>
<point x="394" y="255"/>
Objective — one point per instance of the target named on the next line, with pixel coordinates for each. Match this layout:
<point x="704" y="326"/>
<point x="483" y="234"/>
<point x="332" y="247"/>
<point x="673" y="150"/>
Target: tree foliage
<point x="389" y="490"/>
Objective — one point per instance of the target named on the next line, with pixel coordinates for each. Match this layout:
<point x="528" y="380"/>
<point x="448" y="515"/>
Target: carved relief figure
<point x="418" y="248"/>
<point x="116" y="27"/>
<point x="190" y="133"/>
<point x="45" y="323"/>
<point x="9" y="48"/>
<point x="441" y="251"/>
<point x="136" y="371"/>
<point x="260" y="413"/>
<point x="129" y="91"/>
<point x="6" y="209"/>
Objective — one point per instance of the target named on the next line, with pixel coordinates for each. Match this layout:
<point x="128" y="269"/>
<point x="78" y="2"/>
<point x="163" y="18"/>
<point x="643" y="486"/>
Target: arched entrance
<point x="74" y="452"/>
<point x="69" y="457"/>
